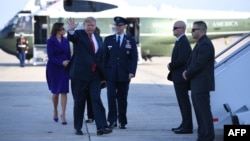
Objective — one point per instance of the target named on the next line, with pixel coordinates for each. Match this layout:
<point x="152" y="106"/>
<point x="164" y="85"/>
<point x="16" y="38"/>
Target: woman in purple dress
<point x="58" y="50"/>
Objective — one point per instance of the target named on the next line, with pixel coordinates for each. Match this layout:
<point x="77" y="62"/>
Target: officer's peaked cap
<point x="120" y="21"/>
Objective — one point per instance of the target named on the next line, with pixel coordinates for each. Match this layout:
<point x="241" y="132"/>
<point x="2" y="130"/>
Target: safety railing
<point x="232" y="49"/>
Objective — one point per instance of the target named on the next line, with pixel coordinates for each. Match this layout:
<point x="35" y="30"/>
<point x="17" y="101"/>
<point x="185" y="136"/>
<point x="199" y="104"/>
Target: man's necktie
<point x="118" y="41"/>
<point x="93" y="47"/>
<point x="92" y="43"/>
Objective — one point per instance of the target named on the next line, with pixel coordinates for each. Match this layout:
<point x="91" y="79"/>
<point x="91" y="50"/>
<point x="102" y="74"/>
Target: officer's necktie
<point x="118" y="41"/>
<point x="93" y="47"/>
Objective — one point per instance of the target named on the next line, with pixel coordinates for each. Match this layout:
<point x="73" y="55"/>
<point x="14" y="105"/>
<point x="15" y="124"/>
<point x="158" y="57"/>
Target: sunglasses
<point x="176" y="28"/>
<point x="194" y="29"/>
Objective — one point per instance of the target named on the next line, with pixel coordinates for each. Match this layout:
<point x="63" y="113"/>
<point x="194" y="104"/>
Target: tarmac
<point x="26" y="112"/>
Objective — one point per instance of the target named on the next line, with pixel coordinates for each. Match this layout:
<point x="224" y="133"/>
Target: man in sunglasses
<point x="200" y="72"/>
<point x="181" y="53"/>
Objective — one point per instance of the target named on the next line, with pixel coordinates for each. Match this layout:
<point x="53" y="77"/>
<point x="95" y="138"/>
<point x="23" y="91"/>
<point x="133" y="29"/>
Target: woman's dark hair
<point x="56" y="27"/>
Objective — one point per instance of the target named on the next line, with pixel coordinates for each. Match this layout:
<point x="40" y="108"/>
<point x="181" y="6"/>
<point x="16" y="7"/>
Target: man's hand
<point x="72" y="24"/>
<point x="130" y="76"/>
<point x="65" y="63"/>
<point x="184" y="75"/>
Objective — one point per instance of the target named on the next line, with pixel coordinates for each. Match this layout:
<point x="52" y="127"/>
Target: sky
<point x="10" y="7"/>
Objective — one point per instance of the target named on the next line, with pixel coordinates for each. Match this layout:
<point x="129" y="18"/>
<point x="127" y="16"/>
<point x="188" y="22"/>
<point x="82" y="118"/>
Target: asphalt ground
<point x="26" y="112"/>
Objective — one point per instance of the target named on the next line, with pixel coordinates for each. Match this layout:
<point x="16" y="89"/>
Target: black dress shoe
<point x="122" y="126"/>
<point x="79" y="132"/>
<point x="104" y="131"/>
<point x="89" y="121"/>
<point x="174" y="129"/>
<point x="183" y="131"/>
<point x="112" y="125"/>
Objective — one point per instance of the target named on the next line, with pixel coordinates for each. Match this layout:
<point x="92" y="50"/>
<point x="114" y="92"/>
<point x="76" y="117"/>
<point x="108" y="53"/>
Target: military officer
<point x="120" y="61"/>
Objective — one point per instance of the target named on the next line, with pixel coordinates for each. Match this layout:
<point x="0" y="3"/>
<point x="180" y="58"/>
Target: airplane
<point x="151" y="27"/>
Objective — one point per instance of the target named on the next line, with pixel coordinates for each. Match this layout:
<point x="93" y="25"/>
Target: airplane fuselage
<point x="153" y="34"/>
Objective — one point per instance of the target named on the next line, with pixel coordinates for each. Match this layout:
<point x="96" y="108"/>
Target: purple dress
<point x="57" y="78"/>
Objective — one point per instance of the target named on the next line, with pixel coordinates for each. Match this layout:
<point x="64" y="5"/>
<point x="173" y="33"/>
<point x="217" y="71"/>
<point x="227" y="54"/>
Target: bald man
<point x="180" y="55"/>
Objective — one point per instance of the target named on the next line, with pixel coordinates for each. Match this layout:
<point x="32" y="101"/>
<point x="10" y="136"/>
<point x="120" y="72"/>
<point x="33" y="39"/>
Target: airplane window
<point x="13" y="21"/>
<point x="24" y="24"/>
<point x="9" y="30"/>
<point x="86" y="6"/>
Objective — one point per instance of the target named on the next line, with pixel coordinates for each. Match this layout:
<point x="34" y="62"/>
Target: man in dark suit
<point x="86" y="73"/>
<point x="120" y="60"/>
<point x="200" y="72"/>
<point x="90" y="113"/>
<point x="180" y="55"/>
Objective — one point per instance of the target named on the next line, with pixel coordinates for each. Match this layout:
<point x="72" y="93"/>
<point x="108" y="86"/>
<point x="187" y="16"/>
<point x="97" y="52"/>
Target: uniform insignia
<point x="109" y="47"/>
<point x="128" y="45"/>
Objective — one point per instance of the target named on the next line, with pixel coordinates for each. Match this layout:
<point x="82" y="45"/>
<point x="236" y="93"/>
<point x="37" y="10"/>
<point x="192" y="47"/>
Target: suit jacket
<point x="58" y="52"/>
<point x="180" y="55"/>
<point x="84" y="57"/>
<point x="200" y="70"/>
<point x="120" y="61"/>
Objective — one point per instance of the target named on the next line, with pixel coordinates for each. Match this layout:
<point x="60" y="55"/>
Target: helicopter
<point x="151" y="27"/>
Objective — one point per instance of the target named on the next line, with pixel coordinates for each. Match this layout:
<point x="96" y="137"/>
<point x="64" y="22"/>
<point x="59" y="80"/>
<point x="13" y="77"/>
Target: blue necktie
<point x="118" y="41"/>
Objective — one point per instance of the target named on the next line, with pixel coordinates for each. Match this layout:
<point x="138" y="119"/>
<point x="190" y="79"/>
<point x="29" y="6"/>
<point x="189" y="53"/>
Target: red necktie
<point x="92" y="43"/>
<point x="93" y="47"/>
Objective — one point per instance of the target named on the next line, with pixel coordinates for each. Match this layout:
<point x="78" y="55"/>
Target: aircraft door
<point x="133" y="30"/>
<point x="41" y="31"/>
<point x="41" y="34"/>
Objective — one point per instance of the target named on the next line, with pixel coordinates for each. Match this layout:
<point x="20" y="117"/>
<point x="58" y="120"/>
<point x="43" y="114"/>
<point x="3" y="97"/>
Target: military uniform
<point x="22" y="47"/>
<point x="120" y="59"/>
